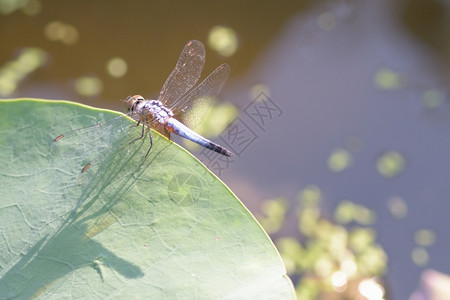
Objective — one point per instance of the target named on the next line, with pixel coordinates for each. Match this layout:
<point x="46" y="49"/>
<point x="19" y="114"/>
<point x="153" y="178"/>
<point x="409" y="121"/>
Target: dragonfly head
<point x="132" y="102"/>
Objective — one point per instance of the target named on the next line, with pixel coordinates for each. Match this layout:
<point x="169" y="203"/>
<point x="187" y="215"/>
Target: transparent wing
<point x="186" y="73"/>
<point x="115" y="158"/>
<point x="91" y="145"/>
<point x="192" y="108"/>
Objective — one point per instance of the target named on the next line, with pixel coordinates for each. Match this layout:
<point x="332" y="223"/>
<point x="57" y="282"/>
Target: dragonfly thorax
<point x="147" y="110"/>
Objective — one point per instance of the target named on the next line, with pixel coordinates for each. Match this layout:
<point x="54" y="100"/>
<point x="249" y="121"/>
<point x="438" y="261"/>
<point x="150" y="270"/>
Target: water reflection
<point x="15" y="71"/>
<point x="62" y="32"/>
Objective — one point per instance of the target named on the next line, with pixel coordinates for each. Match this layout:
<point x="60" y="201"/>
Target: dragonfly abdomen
<point x="175" y="126"/>
<point x="219" y="149"/>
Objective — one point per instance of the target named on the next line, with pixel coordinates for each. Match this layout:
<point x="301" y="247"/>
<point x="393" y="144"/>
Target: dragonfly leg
<point x="142" y="134"/>
<point x="151" y="142"/>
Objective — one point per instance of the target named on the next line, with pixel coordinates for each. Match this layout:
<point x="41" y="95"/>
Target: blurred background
<point x="338" y="115"/>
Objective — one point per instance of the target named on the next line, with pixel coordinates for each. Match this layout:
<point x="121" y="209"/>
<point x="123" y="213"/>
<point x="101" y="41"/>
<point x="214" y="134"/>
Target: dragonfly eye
<point x="129" y="102"/>
<point x="132" y="101"/>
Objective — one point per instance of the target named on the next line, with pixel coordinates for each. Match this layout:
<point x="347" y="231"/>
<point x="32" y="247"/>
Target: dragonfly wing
<point x="185" y="74"/>
<point x="192" y="108"/>
<point x="91" y="145"/>
<point x="89" y="140"/>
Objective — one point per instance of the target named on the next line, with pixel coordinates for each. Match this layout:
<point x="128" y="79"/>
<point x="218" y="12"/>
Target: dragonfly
<point x="179" y="107"/>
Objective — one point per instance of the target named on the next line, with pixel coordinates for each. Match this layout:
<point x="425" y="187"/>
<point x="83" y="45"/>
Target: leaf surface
<point x="126" y="228"/>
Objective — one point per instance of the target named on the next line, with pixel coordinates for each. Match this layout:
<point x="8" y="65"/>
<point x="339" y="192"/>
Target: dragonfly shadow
<point x="114" y="155"/>
<point x="109" y="191"/>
